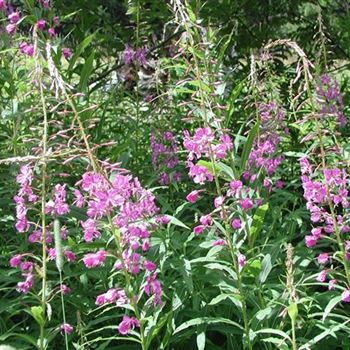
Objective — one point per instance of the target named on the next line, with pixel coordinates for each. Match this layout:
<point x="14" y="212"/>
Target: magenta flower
<point x="219" y="201"/>
<point x="94" y="259"/>
<point x="241" y="260"/>
<point x="219" y="242"/>
<point x="198" y="229"/>
<point x="14" y="17"/>
<point x="236" y="224"/>
<point x="127" y="324"/>
<point x="66" y="328"/>
<point x="2" y="5"/>
<point x="310" y="241"/>
<point x="153" y="288"/>
<point x="41" y="23"/>
<point x="235" y="187"/>
<point x="149" y="265"/>
<point x="322" y="276"/>
<point x="67" y="53"/>
<point x="26" y="266"/>
<point x="346" y="296"/>
<point x="113" y="295"/>
<point x="26" y="49"/>
<point x="65" y="289"/>
<point x="206" y="220"/>
<point x="193" y="196"/>
<point x="11" y="28"/>
<point x="69" y="255"/>
<point x="331" y="284"/>
<point x="24" y="286"/>
<point x="323" y="258"/>
<point x="90" y="230"/>
<point x="16" y="260"/>
<point x="246" y="203"/>
<point x="51" y="32"/>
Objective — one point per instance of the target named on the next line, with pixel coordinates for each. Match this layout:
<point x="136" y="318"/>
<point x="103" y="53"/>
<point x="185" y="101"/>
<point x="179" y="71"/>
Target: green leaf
<point x="86" y="71"/>
<point x="80" y="49"/>
<point x="177" y="222"/>
<point x="266" y="268"/>
<point x="274" y="331"/>
<point x="258" y="221"/>
<point x="207" y="321"/>
<point x="248" y="145"/>
<point x="201" y="341"/>
<point x="332" y="303"/>
<point x="38" y="314"/>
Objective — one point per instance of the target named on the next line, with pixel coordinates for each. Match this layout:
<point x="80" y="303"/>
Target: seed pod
<point x="58" y="244"/>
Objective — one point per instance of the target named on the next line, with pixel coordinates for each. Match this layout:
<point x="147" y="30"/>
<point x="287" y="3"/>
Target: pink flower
<point x="236" y="224"/>
<point x="310" y="241"/>
<point x="241" y="260"/>
<point x="322" y="276"/>
<point x="26" y="266"/>
<point x="219" y="201"/>
<point x="113" y="295"/>
<point x="246" y="203"/>
<point x="346" y="296"/>
<point x="15" y="260"/>
<point x="323" y="258"/>
<point x="65" y="289"/>
<point x="235" y="187"/>
<point x="149" y="265"/>
<point x="316" y="232"/>
<point x="193" y="196"/>
<point x="90" y="230"/>
<point x="79" y="199"/>
<point x="2" y="4"/>
<point x="24" y="286"/>
<point x="14" y="17"/>
<point x="51" y="32"/>
<point x="66" y="328"/>
<point x="153" y="287"/>
<point x="41" y="23"/>
<point x="70" y="256"/>
<point x="94" y="259"/>
<point x="279" y="184"/>
<point x="11" y="28"/>
<point x="198" y="229"/>
<point x="331" y="284"/>
<point x="206" y="220"/>
<point x="26" y="49"/>
<point x="200" y="174"/>
<point x="67" y="53"/>
<point x="127" y="324"/>
<point x="219" y="242"/>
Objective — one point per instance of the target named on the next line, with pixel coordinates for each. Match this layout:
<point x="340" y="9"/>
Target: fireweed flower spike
<point x="164" y="158"/>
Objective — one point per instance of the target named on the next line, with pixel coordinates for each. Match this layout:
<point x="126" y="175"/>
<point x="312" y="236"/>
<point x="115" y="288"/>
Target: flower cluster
<point x="326" y="198"/>
<point x="24" y="195"/>
<point x="164" y="158"/>
<point x="264" y="151"/>
<point x="14" y="18"/>
<point x="132" y="56"/>
<point x="130" y="210"/>
<point x="58" y="205"/>
<point x="203" y="144"/>
<point x="26" y="268"/>
<point x="330" y="100"/>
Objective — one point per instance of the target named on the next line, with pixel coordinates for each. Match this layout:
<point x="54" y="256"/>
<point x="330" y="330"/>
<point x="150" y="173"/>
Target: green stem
<point x="63" y="310"/>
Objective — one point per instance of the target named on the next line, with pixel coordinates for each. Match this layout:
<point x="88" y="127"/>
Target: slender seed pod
<point x="58" y="244"/>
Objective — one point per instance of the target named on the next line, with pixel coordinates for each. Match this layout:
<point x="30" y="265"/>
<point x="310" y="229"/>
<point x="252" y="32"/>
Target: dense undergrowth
<point x="174" y="175"/>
